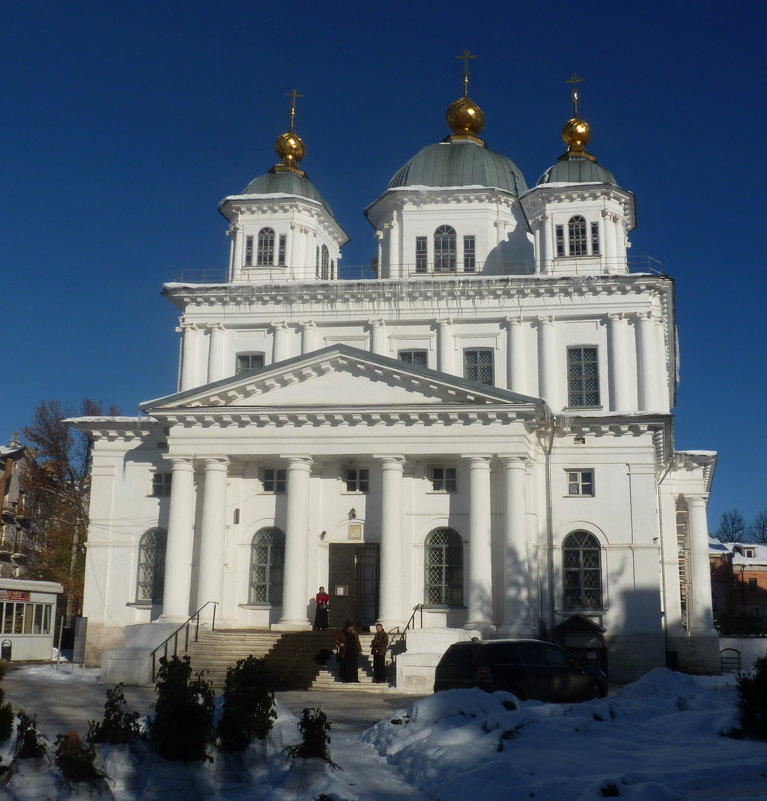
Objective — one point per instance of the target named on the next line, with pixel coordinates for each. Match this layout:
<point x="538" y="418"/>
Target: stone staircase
<point x="300" y="660"/>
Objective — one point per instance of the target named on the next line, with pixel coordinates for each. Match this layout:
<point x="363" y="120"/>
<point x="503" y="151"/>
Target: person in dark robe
<point x="378" y="649"/>
<point x="349" y="649"/>
<point x="322" y="599"/>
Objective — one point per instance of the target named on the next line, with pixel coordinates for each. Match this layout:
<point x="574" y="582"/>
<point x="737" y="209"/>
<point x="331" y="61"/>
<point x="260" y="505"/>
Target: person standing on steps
<point x="349" y="649"/>
<point x="378" y="649"/>
<point x="322" y="599"/>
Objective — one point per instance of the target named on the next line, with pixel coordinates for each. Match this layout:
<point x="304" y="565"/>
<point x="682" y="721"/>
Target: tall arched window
<point x="576" y="234"/>
<point x="151" y="565"/>
<point x="267" y="560"/>
<point x="265" y="249"/>
<point x="582" y="571"/>
<point x="443" y="562"/>
<point x="325" y="263"/>
<point x="444" y="249"/>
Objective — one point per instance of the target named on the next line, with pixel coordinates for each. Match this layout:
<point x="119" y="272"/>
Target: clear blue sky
<point x="123" y="125"/>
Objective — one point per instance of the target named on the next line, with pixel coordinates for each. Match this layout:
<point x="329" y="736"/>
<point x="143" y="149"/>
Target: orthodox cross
<point x="293" y="95"/>
<point x="575" y="80"/>
<point x="465" y="56"/>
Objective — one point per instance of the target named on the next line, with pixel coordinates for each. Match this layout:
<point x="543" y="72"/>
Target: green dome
<point x="577" y="171"/>
<point x="284" y="183"/>
<point x="460" y="163"/>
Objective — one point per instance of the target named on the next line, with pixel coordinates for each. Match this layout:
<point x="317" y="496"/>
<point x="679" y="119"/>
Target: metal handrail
<point x="174" y="635"/>
<point x="417" y="609"/>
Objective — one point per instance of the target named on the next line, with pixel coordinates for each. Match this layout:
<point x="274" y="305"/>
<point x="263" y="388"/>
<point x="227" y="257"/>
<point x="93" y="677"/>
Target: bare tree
<point x="732" y="526"/>
<point x="58" y="481"/>
<point x="758" y="529"/>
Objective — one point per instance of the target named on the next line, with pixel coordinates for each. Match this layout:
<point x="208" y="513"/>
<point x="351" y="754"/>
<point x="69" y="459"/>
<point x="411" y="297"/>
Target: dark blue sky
<point x="124" y="124"/>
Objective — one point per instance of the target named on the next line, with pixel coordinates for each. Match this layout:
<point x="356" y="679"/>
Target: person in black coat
<point x="378" y="649"/>
<point x="349" y="649"/>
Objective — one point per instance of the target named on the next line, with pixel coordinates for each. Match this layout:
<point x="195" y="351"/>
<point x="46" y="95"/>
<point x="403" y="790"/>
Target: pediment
<point x="338" y="376"/>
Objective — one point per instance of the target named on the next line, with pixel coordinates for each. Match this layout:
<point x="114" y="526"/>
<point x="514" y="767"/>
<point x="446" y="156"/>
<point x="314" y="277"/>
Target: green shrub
<point x="29" y="743"/>
<point x="314" y="728"/>
<point x="118" y="725"/>
<point x="248" y="705"/>
<point x="183" y="713"/>
<point x="752" y="689"/>
<point x="75" y="760"/>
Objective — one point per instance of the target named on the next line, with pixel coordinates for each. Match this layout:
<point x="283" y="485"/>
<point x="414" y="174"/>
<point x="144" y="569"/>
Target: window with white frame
<point x="267" y="565"/>
<point x="248" y="361"/>
<point x="595" y="239"/>
<point x="444" y="249"/>
<point x="443" y="479"/>
<point x="248" y="251"/>
<point x="478" y="365"/>
<point x="582" y="571"/>
<point x="281" y="247"/>
<point x="161" y="485"/>
<point x="419" y="358"/>
<point x="582" y="377"/>
<point x="580" y="482"/>
<point x="443" y="568"/>
<point x="469" y="254"/>
<point x="576" y="236"/>
<point x="421" y="254"/>
<point x="560" y="237"/>
<point x="356" y="479"/>
<point x="325" y="263"/>
<point x="25" y="617"/>
<point x="265" y="250"/>
<point x="150" y="578"/>
<point x="274" y="480"/>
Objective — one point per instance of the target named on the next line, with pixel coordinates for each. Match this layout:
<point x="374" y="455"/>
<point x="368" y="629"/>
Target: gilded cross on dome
<point x="293" y="95"/>
<point x="465" y="57"/>
<point x="575" y="80"/>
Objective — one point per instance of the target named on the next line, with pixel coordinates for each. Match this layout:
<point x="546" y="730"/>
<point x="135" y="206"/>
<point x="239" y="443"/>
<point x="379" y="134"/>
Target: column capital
<point x="444" y="321"/>
<point x="390" y="461"/>
<point x="477" y="460"/>
<point x="545" y="319"/>
<point x="279" y="324"/>
<point x="515" y="462"/>
<point x="697" y="500"/>
<point x="513" y="321"/>
<point x="377" y="323"/>
<point x="615" y="317"/>
<point x="307" y="324"/>
<point x="379" y="235"/>
<point x="645" y="316"/>
<point x="216" y="327"/>
<point x="180" y="462"/>
<point x="216" y="462"/>
<point x="298" y="462"/>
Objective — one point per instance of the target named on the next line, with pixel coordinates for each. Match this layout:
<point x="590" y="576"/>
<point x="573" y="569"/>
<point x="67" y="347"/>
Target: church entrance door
<point x="353" y="579"/>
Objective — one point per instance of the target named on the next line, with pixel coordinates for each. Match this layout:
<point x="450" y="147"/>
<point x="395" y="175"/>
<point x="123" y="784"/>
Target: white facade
<point x="484" y="427"/>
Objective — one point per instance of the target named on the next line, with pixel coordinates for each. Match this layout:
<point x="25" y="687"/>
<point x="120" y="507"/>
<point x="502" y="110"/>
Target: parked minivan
<point x="527" y="668"/>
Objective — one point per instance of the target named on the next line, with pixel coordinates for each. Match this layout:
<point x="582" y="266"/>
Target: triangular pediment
<point x="338" y="376"/>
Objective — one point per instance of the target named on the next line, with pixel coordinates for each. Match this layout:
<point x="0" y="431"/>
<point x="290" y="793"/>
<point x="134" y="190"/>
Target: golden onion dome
<point x="465" y="117"/>
<point x="290" y="148"/>
<point x="576" y="134"/>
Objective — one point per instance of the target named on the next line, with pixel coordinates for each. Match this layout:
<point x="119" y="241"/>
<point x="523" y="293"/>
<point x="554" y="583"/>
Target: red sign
<point x="13" y="595"/>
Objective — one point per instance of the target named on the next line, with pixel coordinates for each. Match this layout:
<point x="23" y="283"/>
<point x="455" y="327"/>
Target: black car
<point x="527" y="668"/>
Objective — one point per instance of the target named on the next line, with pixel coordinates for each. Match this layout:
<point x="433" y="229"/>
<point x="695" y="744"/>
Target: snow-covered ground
<point x="659" y="739"/>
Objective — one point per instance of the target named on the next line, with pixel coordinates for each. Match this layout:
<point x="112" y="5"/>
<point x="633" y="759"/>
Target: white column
<point x="308" y="336"/>
<point x="617" y="327"/>
<point x="547" y="367"/>
<point x="377" y="336"/>
<point x="180" y="541"/>
<point x="289" y="247"/>
<point x="480" y="589"/>
<point x="236" y="229"/>
<point x="212" y="535"/>
<point x="445" y="345"/>
<point x="517" y="620"/>
<point x="189" y="356"/>
<point x="607" y="239"/>
<point x="516" y="355"/>
<point x="396" y="268"/>
<point x="281" y="346"/>
<point x="390" y="604"/>
<point x="216" y="369"/>
<point x="549" y="242"/>
<point x="648" y="400"/>
<point x="538" y="246"/>
<point x="700" y="617"/>
<point x="310" y="257"/>
<point x="295" y="584"/>
<point x="379" y="254"/>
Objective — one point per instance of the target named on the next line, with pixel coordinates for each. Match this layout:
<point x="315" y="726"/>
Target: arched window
<point x="443" y="561"/>
<point x="151" y="565"/>
<point x="265" y="249"/>
<point x="444" y="249"/>
<point x="582" y="571"/>
<point x="576" y="235"/>
<point x="325" y="263"/>
<point x="267" y="560"/>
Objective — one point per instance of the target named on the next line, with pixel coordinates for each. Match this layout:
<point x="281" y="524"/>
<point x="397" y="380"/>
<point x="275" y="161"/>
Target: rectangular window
<point x="753" y="585"/>
<point x="274" y="480"/>
<point x="281" y="245"/>
<point x="469" y="254"/>
<point x="582" y="377"/>
<point x="415" y="357"/>
<point x="580" y="482"/>
<point x="478" y="365"/>
<point x="248" y="361"/>
<point x="161" y="485"/>
<point x="421" y="254"/>
<point x="356" y="480"/>
<point x="248" y="251"/>
<point x="595" y="239"/>
<point x="443" y="479"/>
<point x="560" y="233"/>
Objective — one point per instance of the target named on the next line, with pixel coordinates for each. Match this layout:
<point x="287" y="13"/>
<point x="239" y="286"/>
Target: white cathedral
<point x="481" y="425"/>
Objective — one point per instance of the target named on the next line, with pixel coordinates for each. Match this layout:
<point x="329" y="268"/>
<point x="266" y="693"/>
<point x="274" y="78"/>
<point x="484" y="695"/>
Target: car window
<point x="531" y="653"/>
<point x="554" y="656"/>
<point x="505" y="653"/>
<point x="455" y="657"/>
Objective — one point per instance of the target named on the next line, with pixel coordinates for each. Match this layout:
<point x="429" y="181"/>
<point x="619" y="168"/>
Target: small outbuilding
<point x="27" y="619"/>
